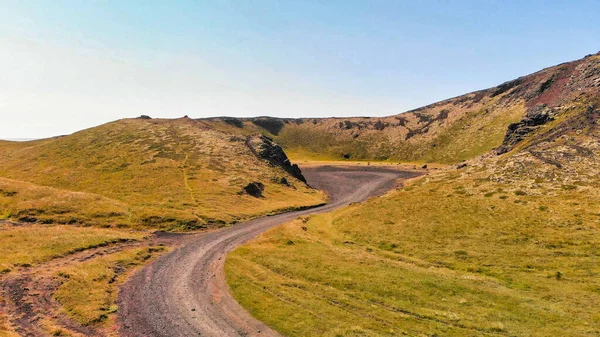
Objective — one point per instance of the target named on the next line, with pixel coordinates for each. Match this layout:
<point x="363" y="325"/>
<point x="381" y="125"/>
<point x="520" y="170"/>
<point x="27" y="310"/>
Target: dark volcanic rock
<point x="517" y="132"/>
<point x="27" y="219"/>
<point x="255" y="189"/>
<point x="506" y="86"/>
<point x="379" y="126"/>
<point x="234" y="121"/>
<point x="264" y="148"/>
<point x="273" y="125"/>
<point x="347" y="125"/>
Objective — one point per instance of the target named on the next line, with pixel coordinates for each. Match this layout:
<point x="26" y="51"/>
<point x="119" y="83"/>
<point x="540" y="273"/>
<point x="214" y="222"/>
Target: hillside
<point x="174" y="174"/>
<point x="503" y="244"/>
<point x="59" y="273"/>
<point x="449" y="131"/>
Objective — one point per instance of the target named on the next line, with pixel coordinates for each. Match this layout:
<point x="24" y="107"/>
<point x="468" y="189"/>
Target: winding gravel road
<point x="184" y="293"/>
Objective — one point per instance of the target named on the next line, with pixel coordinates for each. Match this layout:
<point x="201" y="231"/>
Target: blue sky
<point x="68" y="65"/>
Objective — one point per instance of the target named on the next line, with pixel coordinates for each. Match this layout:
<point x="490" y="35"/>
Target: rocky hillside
<point x="556" y="143"/>
<point x="175" y="174"/>
<point x="449" y="131"/>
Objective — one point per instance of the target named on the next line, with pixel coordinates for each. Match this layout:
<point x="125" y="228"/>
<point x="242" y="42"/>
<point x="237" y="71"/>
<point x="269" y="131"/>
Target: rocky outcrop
<point x="517" y="132"/>
<point x="255" y="189"/>
<point x="238" y="123"/>
<point x="271" y="124"/>
<point x="506" y="86"/>
<point x="264" y="148"/>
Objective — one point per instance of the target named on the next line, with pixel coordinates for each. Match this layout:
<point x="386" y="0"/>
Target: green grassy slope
<point x="144" y="172"/>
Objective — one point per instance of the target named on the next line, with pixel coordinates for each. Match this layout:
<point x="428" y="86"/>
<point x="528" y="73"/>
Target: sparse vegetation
<point x="34" y="244"/>
<point x="4" y="329"/>
<point x="89" y="289"/>
<point x="87" y="262"/>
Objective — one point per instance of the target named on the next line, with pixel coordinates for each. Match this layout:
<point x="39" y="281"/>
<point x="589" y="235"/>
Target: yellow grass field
<point x="32" y="245"/>
<point x="453" y="254"/>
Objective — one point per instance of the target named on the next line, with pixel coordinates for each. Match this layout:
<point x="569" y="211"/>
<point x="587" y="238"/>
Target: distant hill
<point x="449" y="131"/>
<point x="175" y="174"/>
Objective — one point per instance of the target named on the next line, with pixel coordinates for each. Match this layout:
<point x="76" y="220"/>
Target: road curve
<point x="185" y="293"/>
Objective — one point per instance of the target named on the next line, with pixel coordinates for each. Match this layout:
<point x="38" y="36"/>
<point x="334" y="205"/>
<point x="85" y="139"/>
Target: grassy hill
<point x="503" y="244"/>
<point x="449" y="131"/>
<point x="174" y="174"/>
<point x="59" y="273"/>
<point x="507" y="244"/>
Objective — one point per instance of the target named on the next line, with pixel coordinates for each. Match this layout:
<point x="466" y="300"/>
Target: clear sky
<point x="69" y="65"/>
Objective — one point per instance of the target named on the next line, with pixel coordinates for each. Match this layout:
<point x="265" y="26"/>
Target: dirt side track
<point x="185" y="293"/>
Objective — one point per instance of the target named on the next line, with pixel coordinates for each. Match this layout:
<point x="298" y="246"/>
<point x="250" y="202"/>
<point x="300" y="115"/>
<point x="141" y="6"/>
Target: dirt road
<point x="184" y="293"/>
